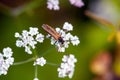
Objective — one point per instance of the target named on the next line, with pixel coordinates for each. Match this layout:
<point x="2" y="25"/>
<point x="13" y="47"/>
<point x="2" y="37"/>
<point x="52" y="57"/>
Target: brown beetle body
<point x="53" y="33"/>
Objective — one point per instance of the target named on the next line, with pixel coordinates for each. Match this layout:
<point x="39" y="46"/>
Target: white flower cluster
<point x="40" y="61"/>
<point x="6" y="60"/>
<point x="29" y="39"/>
<point x="67" y="38"/>
<point x="54" y="4"/>
<point x="67" y="66"/>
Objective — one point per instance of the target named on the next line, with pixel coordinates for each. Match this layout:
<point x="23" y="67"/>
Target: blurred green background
<point x="17" y="15"/>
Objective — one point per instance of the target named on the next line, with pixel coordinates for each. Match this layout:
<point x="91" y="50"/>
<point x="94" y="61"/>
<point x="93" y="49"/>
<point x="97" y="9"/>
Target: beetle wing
<point x="51" y="31"/>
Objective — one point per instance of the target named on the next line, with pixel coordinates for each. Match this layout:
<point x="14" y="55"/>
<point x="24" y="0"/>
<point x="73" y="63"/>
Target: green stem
<point x="36" y="71"/>
<point x="52" y="64"/>
<point x="23" y="62"/>
<point x="33" y="58"/>
<point x="35" y="54"/>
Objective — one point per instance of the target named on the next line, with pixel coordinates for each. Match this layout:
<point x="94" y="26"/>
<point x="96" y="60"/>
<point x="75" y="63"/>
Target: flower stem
<point x="23" y="62"/>
<point x="33" y="58"/>
<point x="36" y="71"/>
<point x="52" y="64"/>
<point x="35" y="54"/>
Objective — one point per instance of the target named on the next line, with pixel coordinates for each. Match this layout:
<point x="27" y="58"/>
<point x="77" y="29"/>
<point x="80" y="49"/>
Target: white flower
<point x="65" y="58"/>
<point x="28" y="39"/>
<point x="53" y="41"/>
<point x="75" y="40"/>
<point x="25" y="34"/>
<point x="53" y="4"/>
<point x="17" y="34"/>
<point x="40" y="38"/>
<point x="71" y="73"/>
<point x="1" y="60"/>
<point x="61" y="49"/>
<point x="65" y="38"/>
<point x="6" y="60"/>
<point x="40" y="61"/>
<point x="1" y="56"/>
<point x="33" y="31"/>
<point x="32" y="43"/>
<point x="27" y="49"/>
<point x="66" y="44"/>
<point x="19" y="43"/>
<point x="9" y="60"/>
<point x="5" y="65"/>
<point x="3" y="71"/>
<point x="66" y="69"/>
<point x="72" y="58"/>
<point x="35" y="79"/>
<point x="58" y="29"/>
<point x="77" y="3"/>
<point x="7" y="52"/>
<point x="61" y="73"/>
<point x="67" y="26"/>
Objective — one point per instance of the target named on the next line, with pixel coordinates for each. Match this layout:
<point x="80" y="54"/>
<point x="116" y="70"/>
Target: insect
<point x="53" y="33"/>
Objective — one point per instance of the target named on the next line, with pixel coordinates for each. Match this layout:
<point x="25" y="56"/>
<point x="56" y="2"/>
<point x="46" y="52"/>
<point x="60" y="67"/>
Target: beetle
<point x="53" y="33"/>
